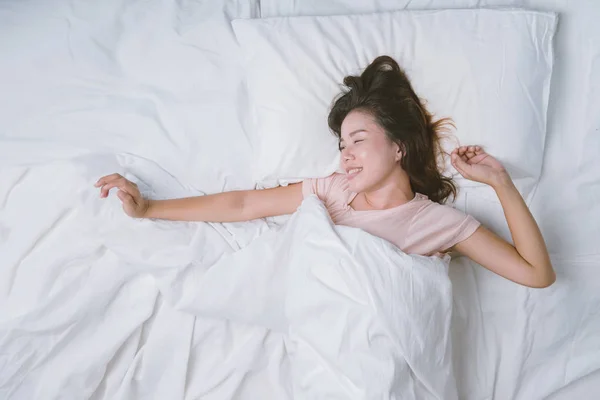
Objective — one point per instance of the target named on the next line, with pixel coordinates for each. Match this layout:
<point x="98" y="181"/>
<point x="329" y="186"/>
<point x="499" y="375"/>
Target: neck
<point x="392" y="192"/>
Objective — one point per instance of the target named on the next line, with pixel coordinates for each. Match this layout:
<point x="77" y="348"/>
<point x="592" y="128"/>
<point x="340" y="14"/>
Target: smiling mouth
<point x="353" y="172"/>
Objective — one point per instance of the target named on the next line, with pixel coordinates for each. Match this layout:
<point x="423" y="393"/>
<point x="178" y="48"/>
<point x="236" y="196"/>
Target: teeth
<point x="354" y="170"/>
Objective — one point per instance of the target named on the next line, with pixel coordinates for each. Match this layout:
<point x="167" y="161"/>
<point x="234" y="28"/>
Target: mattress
<point x="155" y="90"/>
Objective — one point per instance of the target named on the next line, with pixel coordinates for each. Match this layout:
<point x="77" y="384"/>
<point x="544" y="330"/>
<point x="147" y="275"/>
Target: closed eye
<point x="356" y="141"/>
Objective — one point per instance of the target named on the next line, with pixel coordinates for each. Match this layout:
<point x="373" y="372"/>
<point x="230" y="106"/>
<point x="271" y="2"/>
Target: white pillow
<point x="487" y="69"/>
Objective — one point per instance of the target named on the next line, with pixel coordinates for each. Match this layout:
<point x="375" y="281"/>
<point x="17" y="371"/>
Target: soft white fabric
<point x="488" y="70"/>
<point x="361" y="319"/>
<point x="75" y="319"/>
<point x="161" y="79"/>
<point x="294" y="8"/>
<point x="81" y="318"/>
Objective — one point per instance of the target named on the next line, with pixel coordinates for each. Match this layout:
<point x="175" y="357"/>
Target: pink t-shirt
<point x="420" y="226"/>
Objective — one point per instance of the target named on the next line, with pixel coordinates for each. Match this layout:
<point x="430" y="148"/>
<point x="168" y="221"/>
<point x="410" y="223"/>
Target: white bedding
<point x="457" y="60"/>
<point x="311" y="274"/>
<point x="84" y="318"/>
<point x="81" y="317"/>
<point x="160" y="80"/>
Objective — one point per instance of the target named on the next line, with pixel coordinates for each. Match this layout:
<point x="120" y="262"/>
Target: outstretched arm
<point x="241" y="205"/>
<point x="527" y="262"/>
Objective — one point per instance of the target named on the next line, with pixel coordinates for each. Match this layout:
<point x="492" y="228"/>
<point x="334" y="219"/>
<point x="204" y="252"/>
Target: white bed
<point x="154" y="89"/>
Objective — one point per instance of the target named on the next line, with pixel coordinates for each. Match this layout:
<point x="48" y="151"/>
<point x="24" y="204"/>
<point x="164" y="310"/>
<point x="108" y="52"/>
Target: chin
<point x="356" y="186"/>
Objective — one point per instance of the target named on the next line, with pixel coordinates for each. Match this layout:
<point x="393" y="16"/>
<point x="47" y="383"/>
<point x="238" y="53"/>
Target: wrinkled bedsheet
<point x="161" y="84"/>
<point x="105" y="306"/>
<point x="360" y="319"/>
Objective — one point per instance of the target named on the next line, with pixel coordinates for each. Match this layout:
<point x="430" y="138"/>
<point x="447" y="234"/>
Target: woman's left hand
<point x="473" y="163"/>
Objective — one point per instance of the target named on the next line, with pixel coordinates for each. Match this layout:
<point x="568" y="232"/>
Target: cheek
<point x="365" y="153"/>
<point x="376" y="157"/>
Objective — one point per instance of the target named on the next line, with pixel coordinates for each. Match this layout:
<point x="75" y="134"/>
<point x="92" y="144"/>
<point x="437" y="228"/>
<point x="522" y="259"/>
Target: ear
<point x="399" y="151"/>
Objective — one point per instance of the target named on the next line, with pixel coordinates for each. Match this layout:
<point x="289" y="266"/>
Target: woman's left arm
<point x="527" y="262"/>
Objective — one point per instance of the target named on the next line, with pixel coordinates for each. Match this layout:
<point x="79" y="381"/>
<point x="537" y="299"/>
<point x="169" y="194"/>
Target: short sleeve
<point x="436" y="228"/>
<point x="329" y="190"/>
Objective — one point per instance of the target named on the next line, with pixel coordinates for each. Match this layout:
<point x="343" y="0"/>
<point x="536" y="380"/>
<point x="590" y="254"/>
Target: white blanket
<point x="362" y="320"/>
<point x="80" y="318"/>
<point x="109" y="307"/>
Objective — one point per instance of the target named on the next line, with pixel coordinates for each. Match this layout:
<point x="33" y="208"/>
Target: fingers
<point x="116" y="180"/>
<point x="459" y="163"/>
<point x="468" y="152"/>
<point x="106" y="179"/>
<point x="118" y="184"/>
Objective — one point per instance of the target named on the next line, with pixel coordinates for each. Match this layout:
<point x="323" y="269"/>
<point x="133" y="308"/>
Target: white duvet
<point x="347" y="314"/>
<point x="361" y="319"/>
<point x="80" y="315"/>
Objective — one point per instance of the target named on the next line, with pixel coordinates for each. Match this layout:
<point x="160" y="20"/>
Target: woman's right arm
<point x="240" y="205"/>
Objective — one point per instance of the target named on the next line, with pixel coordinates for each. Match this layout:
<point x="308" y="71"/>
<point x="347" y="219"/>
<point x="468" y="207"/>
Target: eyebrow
<point x="353" y="133"/>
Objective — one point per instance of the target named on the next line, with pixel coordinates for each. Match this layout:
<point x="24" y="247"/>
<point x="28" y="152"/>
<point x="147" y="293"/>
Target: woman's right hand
<point x="134" y="204"/>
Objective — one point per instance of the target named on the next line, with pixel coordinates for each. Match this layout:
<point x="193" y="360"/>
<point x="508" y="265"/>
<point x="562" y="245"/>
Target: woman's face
<point x="368" y="156"/>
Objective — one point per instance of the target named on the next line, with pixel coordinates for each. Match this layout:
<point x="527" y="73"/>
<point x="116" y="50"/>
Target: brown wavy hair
<point x="384" y="91"/>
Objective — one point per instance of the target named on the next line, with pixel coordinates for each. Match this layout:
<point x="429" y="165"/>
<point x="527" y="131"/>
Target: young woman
<point x="392" y="187"/>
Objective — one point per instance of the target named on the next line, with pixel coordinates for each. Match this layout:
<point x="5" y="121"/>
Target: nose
<point x="347" y="155"/>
